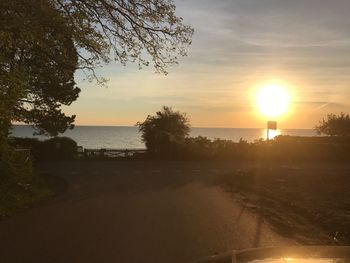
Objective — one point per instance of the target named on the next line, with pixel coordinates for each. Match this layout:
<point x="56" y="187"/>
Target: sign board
<point x="272" y="125"/>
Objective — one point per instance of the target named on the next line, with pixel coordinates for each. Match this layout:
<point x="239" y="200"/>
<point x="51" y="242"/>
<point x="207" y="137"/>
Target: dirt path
<point x="134" y="212"/>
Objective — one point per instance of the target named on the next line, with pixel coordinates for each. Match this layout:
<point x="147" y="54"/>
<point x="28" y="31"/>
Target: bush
<point x="33" y="144"/>
<point x="15" y="167"/>
<point x="202" y="148"/>
<point x="58" y="148"/>
<point x="310" y="148"/>
<point x="334" y="125"/>
<point x="163" y="132"/>
<point x="196" y="148"/>
<point x="19" y="187"/>
<point x="282" y="148"/>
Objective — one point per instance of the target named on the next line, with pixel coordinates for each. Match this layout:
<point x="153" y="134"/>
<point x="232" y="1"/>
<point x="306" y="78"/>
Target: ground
<point x="16" y="195"/>
<point x="309" y="202"/>
<point x="135" y="212"/>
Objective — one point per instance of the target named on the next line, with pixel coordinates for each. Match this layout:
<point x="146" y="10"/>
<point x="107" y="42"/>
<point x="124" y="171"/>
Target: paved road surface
<point x="134" y="212"/>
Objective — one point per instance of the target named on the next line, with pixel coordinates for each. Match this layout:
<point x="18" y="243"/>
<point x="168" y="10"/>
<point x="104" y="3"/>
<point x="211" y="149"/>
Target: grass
<point x="17" y="196"/>
<point x="308" y="202"/>
<point x="19" y="186"/>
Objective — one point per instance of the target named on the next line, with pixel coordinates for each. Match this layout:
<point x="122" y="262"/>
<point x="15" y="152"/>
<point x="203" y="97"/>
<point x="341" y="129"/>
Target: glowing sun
<point x="272" y="100"/>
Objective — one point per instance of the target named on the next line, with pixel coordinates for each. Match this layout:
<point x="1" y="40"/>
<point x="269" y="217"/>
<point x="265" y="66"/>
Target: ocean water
<point x="130" y="138"/>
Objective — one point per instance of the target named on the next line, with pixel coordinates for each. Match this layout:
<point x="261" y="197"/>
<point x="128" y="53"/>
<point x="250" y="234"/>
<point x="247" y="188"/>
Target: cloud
<point x="238" y="43"/>
<point x="321" y="104"/>
<point x="235" y="29"/>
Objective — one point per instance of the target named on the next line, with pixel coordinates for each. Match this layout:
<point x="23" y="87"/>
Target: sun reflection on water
<point x="272" y="134"/>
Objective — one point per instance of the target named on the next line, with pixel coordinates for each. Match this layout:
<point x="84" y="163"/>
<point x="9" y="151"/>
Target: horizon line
<point x="201" y="127"/>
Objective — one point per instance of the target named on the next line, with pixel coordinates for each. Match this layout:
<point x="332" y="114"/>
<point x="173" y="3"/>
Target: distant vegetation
<point x="281" y="148"/>
<point x="166" y="137"/>
<point x="54" y="149"/>
<point x="335" y="125"/>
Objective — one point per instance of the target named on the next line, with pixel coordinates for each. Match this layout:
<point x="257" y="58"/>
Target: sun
<point x="272" y="100"/>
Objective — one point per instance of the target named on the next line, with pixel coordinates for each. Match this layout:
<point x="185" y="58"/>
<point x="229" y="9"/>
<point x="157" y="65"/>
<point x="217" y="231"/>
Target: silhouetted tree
<point x="43" y="42"/>
<point x="164" y="130"/>
<point x="334" y="125"/>
<point x="38" y="59"/>
<point x="134" y="30"/>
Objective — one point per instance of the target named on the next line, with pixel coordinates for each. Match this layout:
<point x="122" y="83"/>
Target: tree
<point x="131" y="30"/>
<point x="162" y="131"/>
<point x="334" y="125"/>
<point x="43" y="42"/>
<point x="38" y="60"/>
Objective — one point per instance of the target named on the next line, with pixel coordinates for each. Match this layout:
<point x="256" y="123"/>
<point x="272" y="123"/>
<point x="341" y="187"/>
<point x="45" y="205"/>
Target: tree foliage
<point x="335" y="125"/>
<point x="43" y="43"/>
<point x="164" y="130"/>
<point x="38" y="59"/>
<point x="131" y="30"/>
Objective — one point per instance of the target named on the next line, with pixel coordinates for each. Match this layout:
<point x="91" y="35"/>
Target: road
<point x="134" y="212"/>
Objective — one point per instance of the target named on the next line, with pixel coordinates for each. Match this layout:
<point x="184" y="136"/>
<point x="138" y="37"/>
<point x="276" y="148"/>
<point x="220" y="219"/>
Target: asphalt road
<point x="134" y="212"/>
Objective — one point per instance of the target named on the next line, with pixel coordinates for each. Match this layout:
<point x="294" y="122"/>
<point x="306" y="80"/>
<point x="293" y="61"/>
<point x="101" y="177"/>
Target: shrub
<point x="310" y="148"/>
<point x="19" y="187"/>
<point x="33" y="144"/>
<point x="282" y="148"/>
<point x="15" y="167"/>
<point x="203" y="148"/>
<point x="163" y="132"/>
<point x="57" y="148"/>
<point x="196" y="148"/>
<point x="335" y="125"/>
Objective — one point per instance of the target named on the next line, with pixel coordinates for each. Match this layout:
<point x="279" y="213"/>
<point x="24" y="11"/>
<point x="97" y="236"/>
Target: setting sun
<point x="272" y="100"/>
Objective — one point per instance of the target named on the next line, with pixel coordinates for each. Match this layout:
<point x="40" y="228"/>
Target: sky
<point x="238" y="46"/>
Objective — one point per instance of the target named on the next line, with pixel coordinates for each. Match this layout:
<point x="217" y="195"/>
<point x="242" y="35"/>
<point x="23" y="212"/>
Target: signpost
<point x="271" y="125"/>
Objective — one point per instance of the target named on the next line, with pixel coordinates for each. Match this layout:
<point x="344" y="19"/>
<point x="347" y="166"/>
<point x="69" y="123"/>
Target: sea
<point x="123" y="137"/>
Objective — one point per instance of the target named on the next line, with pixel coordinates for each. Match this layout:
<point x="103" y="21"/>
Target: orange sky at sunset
<point x="238" y="46"/>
